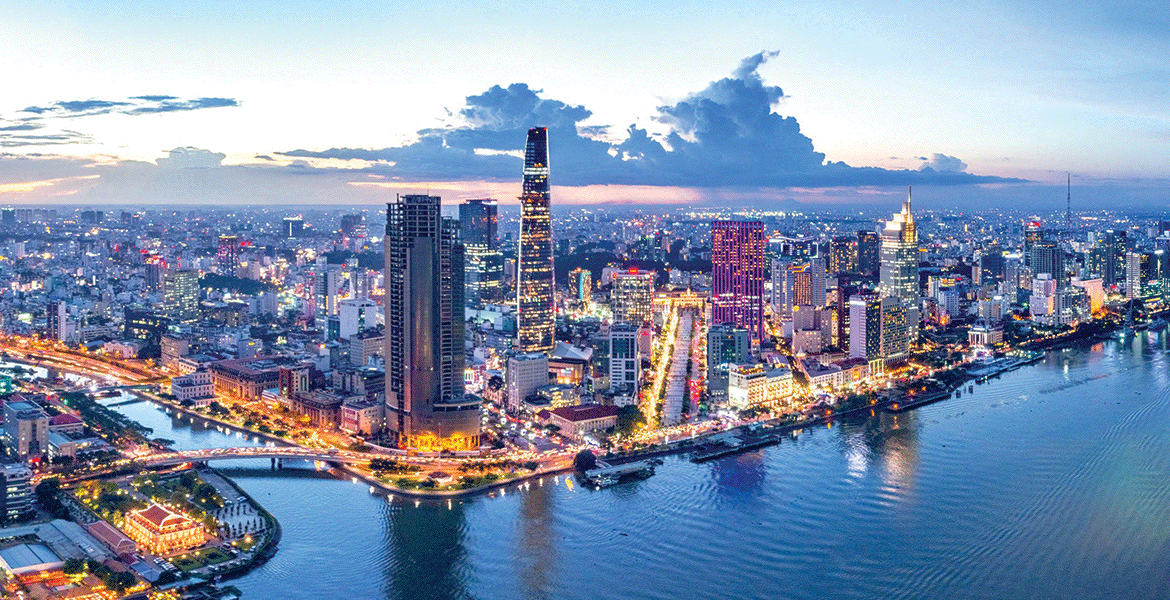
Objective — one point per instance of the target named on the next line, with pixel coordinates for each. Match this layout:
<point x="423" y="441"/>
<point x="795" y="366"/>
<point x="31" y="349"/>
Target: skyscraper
<point x="535" y="319"/>
<point x="738" y="258"/>
<point x="353" y="225"/>
<point x="485" y="264"/>
<point x="292" y="227"/>
<point x="632" y="295"/>
<point x="843" y="255"/>
<point x="181" y="295"/>
<point x="1033" y="233"/>
<point x="327" y="281"/>
<point x="1115" y="246"/>
<point x="57" y="320"/>
<point x="865" y="325"/>
<point x="726" y="345"/>
<point x="581" y="281"/>
<point x="227" y="254"/>
<point x="899" y="257"/>
<point x="425" y="403"/>
<point x="1047" y="257"/>
<point x="868" y="253"/>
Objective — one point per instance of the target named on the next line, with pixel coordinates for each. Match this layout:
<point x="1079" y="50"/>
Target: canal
<point x="1049" y="482"/>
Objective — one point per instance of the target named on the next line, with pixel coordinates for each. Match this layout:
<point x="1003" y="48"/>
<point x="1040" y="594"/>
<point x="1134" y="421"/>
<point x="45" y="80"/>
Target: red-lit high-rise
<point x="738" y="257"/>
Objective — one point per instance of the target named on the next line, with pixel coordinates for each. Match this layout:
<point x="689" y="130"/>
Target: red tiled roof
<point x="110" y="536"/>
<point x="64" y="419"/>
<point x="585" y="412"/>
<point x="161" y="516"/>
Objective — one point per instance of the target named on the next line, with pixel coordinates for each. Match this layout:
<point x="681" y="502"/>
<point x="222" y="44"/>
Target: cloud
<point x="728" y="134"/>
<point x="943" y="164"/>
<point x="9" y="139"/>
<point x="135" y="105"/>
<point x="51" y="116"/>
<point x="174" y="105"/>
<point x="188" y="157"/>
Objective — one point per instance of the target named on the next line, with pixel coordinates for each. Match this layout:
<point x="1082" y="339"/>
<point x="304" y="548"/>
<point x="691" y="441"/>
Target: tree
<point x="118" y="582"/>
<point x="628" y="419"/>
<point x="584" y="460"/>
<point x="73" y="566"/>
<point x="48" y="495"/>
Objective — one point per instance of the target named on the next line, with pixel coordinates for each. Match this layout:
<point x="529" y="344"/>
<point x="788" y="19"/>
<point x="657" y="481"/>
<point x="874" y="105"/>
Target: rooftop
<point x="585" y="412"/>
<point x="160" y="516"/>
<point x="25" y="558"/>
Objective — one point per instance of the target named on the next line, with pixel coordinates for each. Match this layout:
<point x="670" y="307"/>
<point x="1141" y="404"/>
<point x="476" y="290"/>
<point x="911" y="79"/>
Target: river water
<point x="1052" y="481"/>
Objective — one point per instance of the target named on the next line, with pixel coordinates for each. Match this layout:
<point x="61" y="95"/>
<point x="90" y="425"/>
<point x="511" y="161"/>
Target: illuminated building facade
<point x="899" y="257"/>
<point x="868" y="253"/>
<point x="632" y="296"/>
<point x="581" y="281"/>
<point x="485" y="264"/>
<point x="843" y="255"/>
<point x="162" y="531"/>
<point x="425" y="403"/>
<point x="181" y="295"/>
<point x="535" y="319"/>
<point x="738" y="259"/>
<point x="227" y="254"/>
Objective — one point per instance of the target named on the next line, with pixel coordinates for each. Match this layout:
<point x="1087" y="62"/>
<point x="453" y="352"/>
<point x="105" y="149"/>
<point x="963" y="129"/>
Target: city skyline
<point x="870" y="300"/>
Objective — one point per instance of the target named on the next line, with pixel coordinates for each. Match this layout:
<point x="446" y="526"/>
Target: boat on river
<point x="606" y="475"/>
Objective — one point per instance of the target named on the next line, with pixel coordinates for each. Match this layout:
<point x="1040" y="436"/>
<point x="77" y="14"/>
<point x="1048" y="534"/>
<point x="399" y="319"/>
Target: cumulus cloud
<point x="943" y="164"/>
<point x="728" y="134"/>
<point x="188" y="157"/>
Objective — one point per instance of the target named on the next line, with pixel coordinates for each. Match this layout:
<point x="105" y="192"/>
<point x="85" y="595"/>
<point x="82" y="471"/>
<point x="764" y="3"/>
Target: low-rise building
<point x="577" y="421"/>
<point x="66" y="423"/>
<point x="159" y="530"/>
<point x="244" y="379"/>
<point x="74" y="445"/>
<point x="757" y="386"/>
<point x="985" y="334"/>
<point x="835" y="375"/>
<point x="559" y="394"/>
<point x="113" y="539"/>
<point x="362" y="416"/>
<point x="323" y="407"/>
<point x="27" y="559"/>
<point x="195" y="386"/>
<point x="364" y="345"/>
<point x="125" y="349"/>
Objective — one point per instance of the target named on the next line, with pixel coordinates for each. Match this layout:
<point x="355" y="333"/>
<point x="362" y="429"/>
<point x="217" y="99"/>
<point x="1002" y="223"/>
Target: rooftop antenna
<point x="1068" y="205"/>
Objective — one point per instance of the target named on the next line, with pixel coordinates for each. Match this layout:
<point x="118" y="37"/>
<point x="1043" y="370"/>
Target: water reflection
<point x="537" y="555"/>
<point x="426" y="552"/>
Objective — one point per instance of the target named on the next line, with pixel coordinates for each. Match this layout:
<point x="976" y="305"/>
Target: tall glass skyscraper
<point x="899" y="257"/>
<point x="485" y="264"/>
<point x="425" y="403"/>
<point x="868" y="253"/>
<point x="535" y="319"/>
<point x="738" y="257"/>
<point x="898" y="283"/>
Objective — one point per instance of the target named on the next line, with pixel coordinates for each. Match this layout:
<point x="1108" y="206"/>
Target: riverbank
<point x="754" y="435"/>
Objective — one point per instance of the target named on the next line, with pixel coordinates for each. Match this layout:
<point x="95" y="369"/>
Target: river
<point x="1052" y="481"/>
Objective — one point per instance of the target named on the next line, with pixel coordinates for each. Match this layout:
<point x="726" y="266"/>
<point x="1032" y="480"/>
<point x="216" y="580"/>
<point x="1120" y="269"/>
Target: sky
<point x="976" y="104"/>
